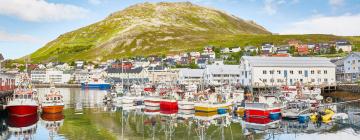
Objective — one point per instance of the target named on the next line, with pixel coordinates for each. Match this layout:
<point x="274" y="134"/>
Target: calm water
<point x="86" y="117"/>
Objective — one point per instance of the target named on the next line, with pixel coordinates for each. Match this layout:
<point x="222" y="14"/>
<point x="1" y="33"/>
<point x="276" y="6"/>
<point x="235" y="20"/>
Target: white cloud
<point x="345" y="25"/>
<point x="40" y="10"/>
<point x="7" y="37"/>
<point x="336" y="3"/>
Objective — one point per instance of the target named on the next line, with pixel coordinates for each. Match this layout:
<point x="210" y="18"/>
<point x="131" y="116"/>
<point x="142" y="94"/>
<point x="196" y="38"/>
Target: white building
<point x="222" y="74"/>
<point x="343" y="45"/>
<point x="276" y="71"/>
<point x="50" y="75"/>
<point x="348" y="68"/>
<point x="191" y="76"/>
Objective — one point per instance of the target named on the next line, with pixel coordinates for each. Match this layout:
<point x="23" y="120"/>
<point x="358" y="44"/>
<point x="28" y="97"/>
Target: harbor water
<point x="86" y="117"/>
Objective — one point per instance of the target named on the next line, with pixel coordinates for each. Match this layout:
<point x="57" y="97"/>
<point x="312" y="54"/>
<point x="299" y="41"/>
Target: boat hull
<point x="150" y="102"/>
<point x="24" y="121"/>
<point x="261" y="112"/>
<point x="168" y="105"/>
<point x="22" y="110"/>
<point x="52" y="109"/>
<point x="96" y="86"/>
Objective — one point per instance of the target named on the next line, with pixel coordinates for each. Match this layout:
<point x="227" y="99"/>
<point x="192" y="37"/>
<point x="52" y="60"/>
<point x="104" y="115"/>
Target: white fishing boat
<point x="186" y="105"/>
<point x="294" y="109"/>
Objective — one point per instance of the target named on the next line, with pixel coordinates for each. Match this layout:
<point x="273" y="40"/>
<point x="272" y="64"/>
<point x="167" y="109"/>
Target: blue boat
<point x="221" y="111"/>
<point x="275" y="116"/>
<point x="96" y="84"/>
<point x="304" y="118"/>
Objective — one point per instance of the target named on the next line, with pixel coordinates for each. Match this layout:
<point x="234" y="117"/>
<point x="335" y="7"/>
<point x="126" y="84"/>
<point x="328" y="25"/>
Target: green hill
<point x="145" y="29"/>
<point x="161" y="28"/>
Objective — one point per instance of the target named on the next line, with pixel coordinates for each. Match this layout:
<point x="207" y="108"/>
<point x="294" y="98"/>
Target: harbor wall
<point x="57" y="85"/>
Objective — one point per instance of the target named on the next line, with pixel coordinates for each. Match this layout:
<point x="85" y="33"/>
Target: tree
<point x="72" y="63"/>
<point x="292" y="50"/>
<point x="253" y="53"/>
<point x="340" y="51"/>
<point x="332" y="50"/>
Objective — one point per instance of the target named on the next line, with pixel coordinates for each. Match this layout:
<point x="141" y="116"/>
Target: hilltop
<point x="146" y="29"/>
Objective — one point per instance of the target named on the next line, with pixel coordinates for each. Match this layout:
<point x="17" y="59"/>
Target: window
<point x="312" y="72"/>
<point x="349" y="62"/>
<point x="353" y="61"/>
<point x="272" y="72"/>
<point x="312" y="80"/>
<point x="279" y="80"/>
<point x="319" y="71"/>
<point x="300" y="71"/>
<point x="272" y="80"/>
<point x="291" y="72"/>
<point x="264" y="71"/>
<point x="325" y="80"/>
<point x="278" y="72"/>
<point x="264" y="80"/>
<point x="325" y="71"/>
<point x="319" y="80"/>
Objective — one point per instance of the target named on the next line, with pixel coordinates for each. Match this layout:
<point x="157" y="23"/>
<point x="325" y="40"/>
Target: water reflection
<point x="86" y="117"/>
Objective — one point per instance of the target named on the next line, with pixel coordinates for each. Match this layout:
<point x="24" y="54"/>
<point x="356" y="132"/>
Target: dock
<point x="354" y="88"/>
<point x="57" y="85"/>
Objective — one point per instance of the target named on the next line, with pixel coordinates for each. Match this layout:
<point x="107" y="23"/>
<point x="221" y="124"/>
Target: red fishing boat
<point x="168" y="104"/>
<point x="17" y="122"/>
<point x="23" y="102"/>
<point x="263" y="108"/>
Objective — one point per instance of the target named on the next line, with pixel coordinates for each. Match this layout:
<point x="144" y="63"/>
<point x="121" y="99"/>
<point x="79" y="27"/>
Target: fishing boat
<point x="152" y="101"/>
<point x="186" y="105"/>
<point x="266" y="105"/>
<point x="296" y="108"/>
<point x="53" y="102"/>
<point x="96" y="83"/>
<point x="168" y="104"/>
<point x="24" y="100"/>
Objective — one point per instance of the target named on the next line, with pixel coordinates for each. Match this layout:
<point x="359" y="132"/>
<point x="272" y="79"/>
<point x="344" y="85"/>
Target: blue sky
<point x="26" y="25"/>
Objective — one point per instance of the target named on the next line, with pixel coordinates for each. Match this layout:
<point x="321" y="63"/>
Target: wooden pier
<point x="354" y="88"/>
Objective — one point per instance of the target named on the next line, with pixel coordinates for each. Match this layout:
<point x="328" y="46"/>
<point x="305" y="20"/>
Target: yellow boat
<point x="205" y="114"/>
<point x="327" y="117"/>
<point x="240" y="111"/>
<point x="209" y="107"/>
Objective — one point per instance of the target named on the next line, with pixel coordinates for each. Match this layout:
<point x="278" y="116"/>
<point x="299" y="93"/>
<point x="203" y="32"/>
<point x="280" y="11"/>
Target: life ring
<point x="329" y="100"/>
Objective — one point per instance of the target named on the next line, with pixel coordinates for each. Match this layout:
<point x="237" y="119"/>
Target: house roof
<point x="118" y="70"/>
<point x="156" y="68"/>
<point x="258" y="61"/>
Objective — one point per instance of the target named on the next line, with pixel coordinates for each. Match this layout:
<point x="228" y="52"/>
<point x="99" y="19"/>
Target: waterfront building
<point x="50" y="75"/>
<point x="259" y="71"/>
<point x="348" y="68"/>
<point x="7" y="81"/>
<point x="191" y="76"/>
<point x="80" y="76"/>
<point x="161" y="74"/>
<point x="222" y="74"/>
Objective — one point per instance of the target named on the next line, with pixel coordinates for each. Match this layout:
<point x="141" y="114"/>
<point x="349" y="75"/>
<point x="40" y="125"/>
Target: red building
<point x="7" y="82"/>
<point x="124" y="65"/>
<point x="303" y="50"/>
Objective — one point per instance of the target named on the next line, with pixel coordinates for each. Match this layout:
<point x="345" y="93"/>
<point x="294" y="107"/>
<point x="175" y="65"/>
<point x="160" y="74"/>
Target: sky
<point x="27" y="25"/>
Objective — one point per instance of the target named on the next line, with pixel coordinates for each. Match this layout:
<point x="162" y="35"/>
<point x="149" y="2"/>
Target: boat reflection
<point x="52" y="122"/>
<point x="23" y="127"/>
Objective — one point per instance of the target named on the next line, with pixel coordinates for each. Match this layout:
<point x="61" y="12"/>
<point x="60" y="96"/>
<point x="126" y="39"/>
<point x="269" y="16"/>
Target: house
<point x="122" y="65"/>
<point x="303" y="50"/>
<point x="348" y="68"/>
<point x="202" y="63"/>
<point x="267" y="48"/>
<point x="80" y="76"/>
<point x="259" y="71"/>
<point x="344" y="45"/>
<point x="161" y="74"/>
<point x="225" y="50"/>
<point x="191" y="76"/>
<point x="324" y="48"/>
<point x="195" y="54"/>
<point x="295" y="43"/>
<point x="251" y="49"/>
<point x="222" y="74"/>
<point x="235" y="50"/>
<point x="311" y="46"/>
<point x="184" y="61"/>
<point x="209" y="51"/>
<point x="128" y="76"/>
<point x="79" y="64"/>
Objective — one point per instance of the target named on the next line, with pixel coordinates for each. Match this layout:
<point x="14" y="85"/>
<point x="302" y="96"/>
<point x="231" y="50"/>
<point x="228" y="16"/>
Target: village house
<point x="303" y="50"/>
<point x="259" y="71"/>
<point x="344" y="45"/>
<point x="348" y="68"/>
<point x="128" y="76"/>
<point x="209" y="51"/>
<point x="268" y="48"/>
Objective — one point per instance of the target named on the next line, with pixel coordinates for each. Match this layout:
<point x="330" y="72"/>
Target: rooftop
<point x="223" y="69"/>
<point x="259" y="61"/>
